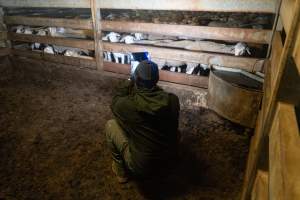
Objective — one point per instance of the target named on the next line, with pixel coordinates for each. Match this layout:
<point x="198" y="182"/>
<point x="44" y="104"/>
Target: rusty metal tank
<point x="235" y="96"/>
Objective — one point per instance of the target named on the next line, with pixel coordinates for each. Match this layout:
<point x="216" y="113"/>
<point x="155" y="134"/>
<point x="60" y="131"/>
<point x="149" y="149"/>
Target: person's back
<point x="148" y="117"/>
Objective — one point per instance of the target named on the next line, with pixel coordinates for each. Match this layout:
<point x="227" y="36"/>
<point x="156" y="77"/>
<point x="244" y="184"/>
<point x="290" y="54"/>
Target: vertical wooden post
<point x="278" y="6"/>
<point x="96" y="17"/>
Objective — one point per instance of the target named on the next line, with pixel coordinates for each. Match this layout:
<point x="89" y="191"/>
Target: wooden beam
<point x="284" y="155"/>
<point x="44" y="21"/>
<point x="50" y="4"/>
<point x="81" y="62"/>
<point x="261" y="186"/>
<point x="203" y="32"/>
<point x="286" y="12"/>
<point x="67" y="42"/>
<point x="285" y="55"/>
<point x="3" y="35"/>
<point x="296" y="53"/>
<point x="4" y="52"/>
<point x="249" y="64"/>
<point x="277" y="47"/>
<point x="174" y="77"/>
<point x="267" y="6"/>
<point x="96" y="16"/>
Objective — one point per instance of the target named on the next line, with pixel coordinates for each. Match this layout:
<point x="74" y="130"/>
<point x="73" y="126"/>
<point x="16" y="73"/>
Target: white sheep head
<point x="241" y="49"/>
<point x="49" y="50"/>
<point x="71" y="53"/>
<point x="112" y="37"/>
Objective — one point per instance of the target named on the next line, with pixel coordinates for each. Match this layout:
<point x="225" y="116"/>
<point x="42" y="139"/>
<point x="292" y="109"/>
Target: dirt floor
<point x="52" y="142"/>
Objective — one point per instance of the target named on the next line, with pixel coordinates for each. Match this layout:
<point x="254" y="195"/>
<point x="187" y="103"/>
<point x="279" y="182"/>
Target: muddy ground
<point x="52" y="142"/>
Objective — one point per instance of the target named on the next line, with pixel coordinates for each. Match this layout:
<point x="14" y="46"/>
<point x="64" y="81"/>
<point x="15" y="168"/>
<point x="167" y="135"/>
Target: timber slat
<point x="203" y="32"/>
<point x="296" y="53"/>
<point x="81" y="62"/>
<point x="3" y="35"/>
<point x="267" y="6"/>
<point x="286" y="13"/>
<point x="67" y="42"/>
<point x="44" y="21"/>
<point x="248" y="64"/>
<point x="277" y="48"/>
<point x="4" y="51"/>
<point x="284" y="154"/>
<point x="180" y="78"/>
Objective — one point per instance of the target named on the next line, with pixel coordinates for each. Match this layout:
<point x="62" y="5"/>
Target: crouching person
<point x="143" y="134"/>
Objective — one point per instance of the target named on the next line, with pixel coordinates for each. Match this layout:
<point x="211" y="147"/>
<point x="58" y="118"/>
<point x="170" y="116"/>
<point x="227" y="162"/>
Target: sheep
<point x="175" y="66"/>
<point x="241" y="49"/>
<point x="140" y="36"/>
<point x="19" y="29"/>
<point x="191" y="67"/>
<point x="71" y="53"/>
<point x="107" y="56"/>
<point x="112" y="37"/>
<point x="128" y="39"/>
<point x="40" y="32"/>
<point x="28" y="31"/>
<point x="49" y="50"/>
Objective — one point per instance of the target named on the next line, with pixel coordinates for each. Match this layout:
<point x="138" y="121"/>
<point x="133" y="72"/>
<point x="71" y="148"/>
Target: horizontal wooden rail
<point x="81" y="62"/>
<point x="174" y="77"/>
<point x="4" y="52"/>
<point x="45" y="21"/>
<point x="3" y="35"/>
<point x="248" y="64"/>
<point x="267" y="6"/>
<point x="203" y="32"/>
<point x="68" y="42"/>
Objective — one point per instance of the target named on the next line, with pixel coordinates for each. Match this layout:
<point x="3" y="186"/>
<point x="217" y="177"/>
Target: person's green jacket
<point x="150" y="119"/>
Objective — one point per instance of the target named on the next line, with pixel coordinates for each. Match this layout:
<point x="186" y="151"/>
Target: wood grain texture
<point x="285" y="154"/>
<point x="267" y="6"/>
<point x="67" y="42"/>
<point x="81" y="62"/>
<point x="4" y="52"/>
<point x="296" y="53"/>
<point x="277" y="48"/>
<point x="96" y="17"/>
<point x="52" y="22"/>
<point x="261" y="186"/>
<point x="253" y="156"/>
<point x="286" y="13"/>
<point x="203" y="32"/>
<point x="3" y="35"/>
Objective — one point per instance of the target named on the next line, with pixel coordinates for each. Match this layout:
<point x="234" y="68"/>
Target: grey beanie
<point x="146" y="74"/>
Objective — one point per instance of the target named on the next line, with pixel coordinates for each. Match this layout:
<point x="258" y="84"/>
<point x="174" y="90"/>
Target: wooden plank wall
<point x="265" y="6"/>
<point x="284" y="154"/>
<point x="227" y="34"/>
<point x="279" y="129"/>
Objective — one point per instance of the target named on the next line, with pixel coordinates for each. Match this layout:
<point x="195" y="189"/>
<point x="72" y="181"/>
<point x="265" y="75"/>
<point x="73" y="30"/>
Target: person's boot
<point x="120" y="172"/>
